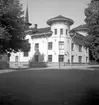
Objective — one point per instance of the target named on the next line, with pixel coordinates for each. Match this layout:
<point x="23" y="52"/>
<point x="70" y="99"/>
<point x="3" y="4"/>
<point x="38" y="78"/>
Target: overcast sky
<point x="42" y="10"/>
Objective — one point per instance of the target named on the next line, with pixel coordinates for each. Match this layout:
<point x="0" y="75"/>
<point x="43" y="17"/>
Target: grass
<point x="50" y="87"/>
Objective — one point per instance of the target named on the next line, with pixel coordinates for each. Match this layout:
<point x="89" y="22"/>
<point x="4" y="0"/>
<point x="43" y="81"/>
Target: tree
<point x="92" y="20"/>
<point x="12" y="27"/>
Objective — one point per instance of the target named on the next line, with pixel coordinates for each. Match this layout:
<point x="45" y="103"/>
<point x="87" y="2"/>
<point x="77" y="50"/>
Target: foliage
<point x="92" y="20"/>
<point x="12" y="31"/>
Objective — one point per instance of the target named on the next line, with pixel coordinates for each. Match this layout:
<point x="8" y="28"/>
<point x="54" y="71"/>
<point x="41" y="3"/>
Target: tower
<point x="60" y="26"/>
<point x="27" y="24"/>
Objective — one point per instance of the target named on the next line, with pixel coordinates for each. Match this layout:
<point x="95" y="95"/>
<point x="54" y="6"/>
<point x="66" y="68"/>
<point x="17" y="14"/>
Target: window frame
<point x="72" y="58"/>
<point x="61" y="31"/>
<point x="66" y="31"/>
<point x="72" y="46"/>
<point x="49" y="58"/>
<point x="55" y="31"/>
<point x="26" y="53"/>
<point x="50" y="45"/>
<point x="61" y="58"/>
<point x="36" y="45"/>
<point x="61" y="45"/>
<point x="86" y="59"/>
<point x="86" y="49"/>
<point x="80" y="48"/>
<point x="16" y="58"/>
<point x="1" y="57"/>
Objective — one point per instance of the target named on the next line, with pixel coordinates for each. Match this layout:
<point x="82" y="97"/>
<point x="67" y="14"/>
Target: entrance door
<point x="80" y="59"/>
<point x="36" y="58"/>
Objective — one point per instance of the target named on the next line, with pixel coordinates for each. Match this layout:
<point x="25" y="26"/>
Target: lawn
<point x="50" y="87"/>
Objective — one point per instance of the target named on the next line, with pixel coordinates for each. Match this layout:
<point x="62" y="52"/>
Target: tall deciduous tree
<point x="12" y="27"/>
<point x="92" y="20"/>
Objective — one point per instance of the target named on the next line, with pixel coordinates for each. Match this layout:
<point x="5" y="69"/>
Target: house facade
<point x="54" y="44"/>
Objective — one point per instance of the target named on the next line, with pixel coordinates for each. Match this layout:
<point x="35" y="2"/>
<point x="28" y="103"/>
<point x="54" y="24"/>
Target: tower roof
<point x="27" y="16"/>
<point x="60" y="18"/>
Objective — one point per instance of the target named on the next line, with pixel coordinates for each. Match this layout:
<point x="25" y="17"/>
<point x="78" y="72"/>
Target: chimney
<point x="35" y="26"/>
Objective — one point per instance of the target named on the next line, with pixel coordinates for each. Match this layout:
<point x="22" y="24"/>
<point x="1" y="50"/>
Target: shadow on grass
<point x="10" y="99"/>
<point x="94" y="68"/>
<point x="91" y="97"/>
<point x="50" y="87"/>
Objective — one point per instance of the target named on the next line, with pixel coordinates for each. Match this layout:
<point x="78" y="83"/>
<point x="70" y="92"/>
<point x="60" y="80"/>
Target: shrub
<point x="37" y="64"/>
<point x="4" y="64"/>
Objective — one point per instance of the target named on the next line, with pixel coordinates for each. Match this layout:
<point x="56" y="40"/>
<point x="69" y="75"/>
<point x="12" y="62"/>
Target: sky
<point x="42" y="10"/>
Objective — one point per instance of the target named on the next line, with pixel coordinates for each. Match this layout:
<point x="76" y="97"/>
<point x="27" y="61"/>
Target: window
<point x="61" y="58"/>
<point x="49" y="58"/>
<point x="72" y="47"/>
<point x="61" y="45"/>
<point x="72" y="58"/>
<point x="36" y="45"/>
<point x="36" y="58"/>
<point x="61" y="31"/>
<point x="55" y="31"/>
<point x="80" y="59"/>
<point x="80" y="48"/>
<point x="27" y="40"/>
<point x="16" y="58"/>
<point x="86" y="49"/>
<point x="25" y="53"/>
<point x="0" y="57"/>
<point x="49" y="45"/>
<point x="66" y="31"/>
<point x="86" y="59"/>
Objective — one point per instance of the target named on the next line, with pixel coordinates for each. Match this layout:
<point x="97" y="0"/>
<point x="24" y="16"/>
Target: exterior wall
<point x="83" y="53"/>
<point x="56" y="38"/>
<point x="4" y="58"/>
<point x="43" y="51"/>
<point x="21" y="60"/>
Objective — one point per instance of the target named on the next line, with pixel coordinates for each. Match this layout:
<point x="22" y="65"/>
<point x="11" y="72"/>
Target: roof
<point x="60" y="18"/>
<point x="79" y="39"/>
<point x="41" y="32"/>
<point x="83" y="27"/>
<point x="28" y="31"/>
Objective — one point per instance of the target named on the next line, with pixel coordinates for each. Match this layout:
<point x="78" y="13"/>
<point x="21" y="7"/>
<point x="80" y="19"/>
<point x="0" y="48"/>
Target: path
<point x="85" y="67"/>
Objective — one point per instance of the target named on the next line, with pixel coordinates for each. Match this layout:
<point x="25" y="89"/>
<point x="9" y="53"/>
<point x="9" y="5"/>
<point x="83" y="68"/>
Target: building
<point x="56" y="44"/>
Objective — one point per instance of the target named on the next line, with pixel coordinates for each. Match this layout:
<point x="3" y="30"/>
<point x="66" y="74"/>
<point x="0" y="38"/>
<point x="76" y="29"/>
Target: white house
<point x="54" y="44"/>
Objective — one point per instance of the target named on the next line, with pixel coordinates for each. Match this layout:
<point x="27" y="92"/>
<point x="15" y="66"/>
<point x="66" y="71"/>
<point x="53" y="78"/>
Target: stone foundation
<point x="18" y="64"/>
<point x="41" y="64"/>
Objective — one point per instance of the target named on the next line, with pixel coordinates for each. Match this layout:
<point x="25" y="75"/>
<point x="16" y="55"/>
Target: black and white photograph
<point x="49" y="52"/>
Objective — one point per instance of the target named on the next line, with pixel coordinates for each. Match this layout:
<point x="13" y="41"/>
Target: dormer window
<point x="61" y="31"/>
<point x="55" y="31"/>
